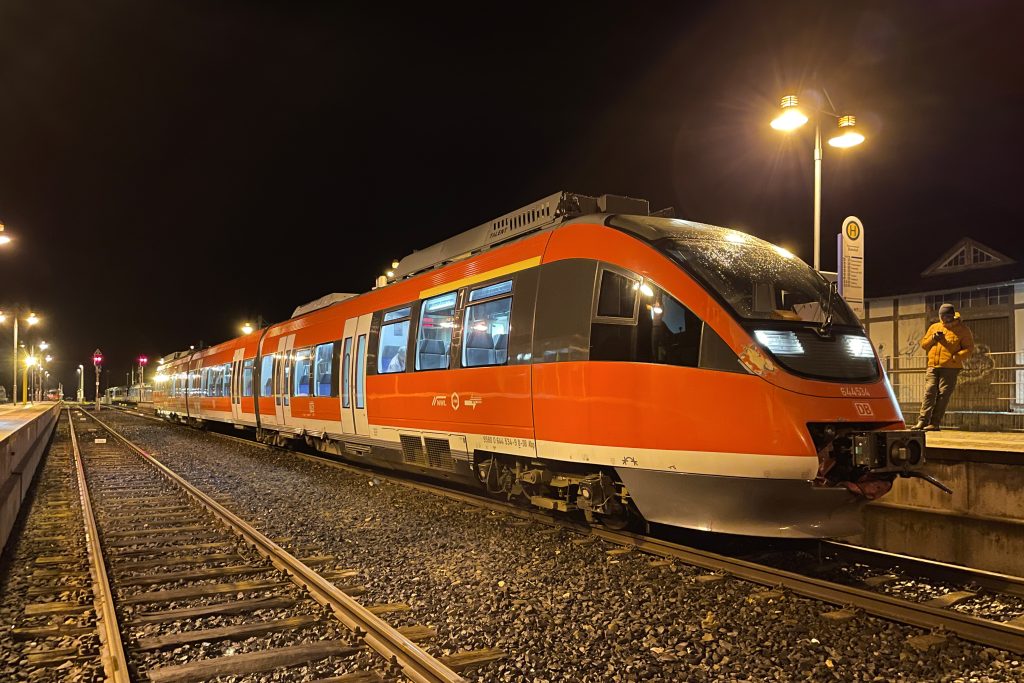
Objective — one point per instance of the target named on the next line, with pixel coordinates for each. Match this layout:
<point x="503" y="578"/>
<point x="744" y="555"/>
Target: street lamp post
<point x="43" y="383"/>
<point x="32" y="319"/>
<point x="792" y="118"/>
<point x="30" y="362"/>
<point x="37" y="376"/>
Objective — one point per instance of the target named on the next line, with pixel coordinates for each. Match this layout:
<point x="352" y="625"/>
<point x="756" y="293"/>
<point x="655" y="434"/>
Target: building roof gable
<point x="967" y="254"/>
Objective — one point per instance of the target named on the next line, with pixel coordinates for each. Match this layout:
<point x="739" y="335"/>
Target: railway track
<point x="55" y="625"/>
<point x="184" y="590"/>
<point x="937" y="614"/>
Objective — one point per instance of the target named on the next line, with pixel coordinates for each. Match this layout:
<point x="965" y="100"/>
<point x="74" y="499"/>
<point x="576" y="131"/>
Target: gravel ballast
<point x="562" y="610"/>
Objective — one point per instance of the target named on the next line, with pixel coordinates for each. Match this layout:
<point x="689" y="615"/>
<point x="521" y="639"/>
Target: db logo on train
<point x="864" y="409"/>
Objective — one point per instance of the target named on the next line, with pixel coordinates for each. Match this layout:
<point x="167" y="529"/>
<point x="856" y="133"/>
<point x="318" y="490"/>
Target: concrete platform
<point x="981" y="524"/>
<point x="976" y="446"/>
<point x="24" y="433"/>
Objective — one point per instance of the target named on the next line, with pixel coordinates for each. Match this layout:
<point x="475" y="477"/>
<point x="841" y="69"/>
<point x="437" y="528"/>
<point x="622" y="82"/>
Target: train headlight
<point x="780" y="342"/>
<point x="857" y="346"/>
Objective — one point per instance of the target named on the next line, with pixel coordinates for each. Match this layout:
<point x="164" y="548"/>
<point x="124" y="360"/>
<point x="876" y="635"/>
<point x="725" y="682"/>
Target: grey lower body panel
<point x="783" y="508"/>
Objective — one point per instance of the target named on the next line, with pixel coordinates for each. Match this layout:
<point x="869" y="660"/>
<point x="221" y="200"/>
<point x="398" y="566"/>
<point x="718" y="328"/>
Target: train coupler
<point x="899" y="452"/>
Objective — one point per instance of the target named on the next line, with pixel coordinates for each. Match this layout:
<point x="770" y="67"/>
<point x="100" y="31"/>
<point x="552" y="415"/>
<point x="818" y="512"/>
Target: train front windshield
<point x="759" y="280"/>
<point x="780" y="299"/>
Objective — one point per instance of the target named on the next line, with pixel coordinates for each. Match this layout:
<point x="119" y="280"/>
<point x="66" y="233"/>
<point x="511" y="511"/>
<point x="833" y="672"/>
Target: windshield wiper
<point x="826" y="324"/>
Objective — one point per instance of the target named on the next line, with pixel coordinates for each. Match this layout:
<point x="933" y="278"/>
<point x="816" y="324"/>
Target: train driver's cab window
<point x="485" y="335"/>
<point x="394" y="337"/>
<point x="247" y="368"/>
<point x="323" y="360"/>
<point x="661" y="331"/>
<point x="301" y="374"/>
<point x="437" y="319"/>
<point x="267" y="375"/>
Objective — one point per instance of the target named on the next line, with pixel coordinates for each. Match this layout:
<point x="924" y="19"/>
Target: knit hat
<point x="946" y="309"/>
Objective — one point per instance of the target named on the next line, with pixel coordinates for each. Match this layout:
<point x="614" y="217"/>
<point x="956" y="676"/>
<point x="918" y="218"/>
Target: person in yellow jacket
<point x="948" y="343"/>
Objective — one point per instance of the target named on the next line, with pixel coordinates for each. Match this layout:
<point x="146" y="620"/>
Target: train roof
<point x="176" y="355"/>
<point x="539" y="215"/>
<point x="323" y="302"/>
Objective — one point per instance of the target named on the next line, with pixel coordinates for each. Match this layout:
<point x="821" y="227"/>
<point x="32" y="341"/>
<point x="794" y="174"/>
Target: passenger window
<point x="361" y="371"/>
<point x="322" y="363"/>
<point x="267" y="375"/>
<point x="487" y="324"/>
<point x="301" y="373"/>
<point x="436" y="322"/>
<point x="346" y="373"/>
<point x="617" y="298"/>
<point x="247" y="368"/>
<point x="394" y="337"/>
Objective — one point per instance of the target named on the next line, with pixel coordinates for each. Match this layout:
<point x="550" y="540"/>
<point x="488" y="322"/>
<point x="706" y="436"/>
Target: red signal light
<point x="97" y="358"/>
<point x="143" y="360"/>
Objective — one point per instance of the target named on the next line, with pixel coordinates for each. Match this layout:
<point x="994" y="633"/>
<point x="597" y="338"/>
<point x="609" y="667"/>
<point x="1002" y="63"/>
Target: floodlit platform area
<point x="14" y="417"/>
<point x="1009" y="442"/>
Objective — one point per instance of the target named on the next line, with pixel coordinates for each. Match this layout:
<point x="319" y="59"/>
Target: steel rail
<point x="415" y="663"/>
<point x="984" y="631"/>
<point x="991" y="581"/>
<point x="975" y="629"/>
<point x="115" y="662"/>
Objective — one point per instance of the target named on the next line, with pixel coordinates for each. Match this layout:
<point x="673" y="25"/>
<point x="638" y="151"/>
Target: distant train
<point x="583" y="355"/>
<point x="129" y="394"/>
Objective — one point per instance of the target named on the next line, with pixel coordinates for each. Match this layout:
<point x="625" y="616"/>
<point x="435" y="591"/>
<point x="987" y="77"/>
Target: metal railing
<point x="989" y="395"/>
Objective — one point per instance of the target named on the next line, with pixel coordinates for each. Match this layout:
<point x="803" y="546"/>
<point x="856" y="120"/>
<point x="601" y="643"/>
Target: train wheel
<point x="618" y="521"/>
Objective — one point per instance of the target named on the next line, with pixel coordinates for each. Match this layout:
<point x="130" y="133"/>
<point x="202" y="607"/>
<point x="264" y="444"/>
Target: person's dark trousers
<point x="938" y="388"/>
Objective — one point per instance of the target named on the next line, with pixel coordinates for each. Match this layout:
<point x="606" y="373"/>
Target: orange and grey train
<point x="585" y="356"/>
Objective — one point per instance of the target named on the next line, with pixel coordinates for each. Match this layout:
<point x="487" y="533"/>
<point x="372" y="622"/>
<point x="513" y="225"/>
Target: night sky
<point x="169" y="170"/>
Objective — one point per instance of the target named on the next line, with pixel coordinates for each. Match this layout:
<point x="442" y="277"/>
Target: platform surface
<point x="14" y="417"/>
<point x="1007" y="442"/>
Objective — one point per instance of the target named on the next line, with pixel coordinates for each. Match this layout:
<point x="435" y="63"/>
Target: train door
<point x="353" y="375"/>
<point x="282" y="379"/>
<point x="194" y="380"/>
<point x="236" y="386"/>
